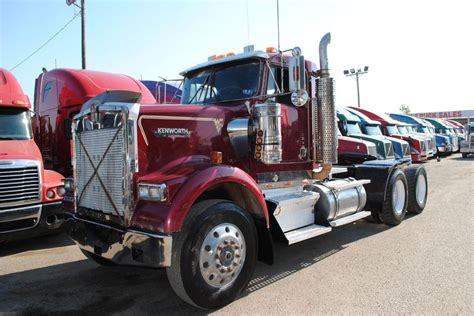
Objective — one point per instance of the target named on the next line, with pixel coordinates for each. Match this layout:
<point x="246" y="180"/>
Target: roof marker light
<point x="270" y="50"/>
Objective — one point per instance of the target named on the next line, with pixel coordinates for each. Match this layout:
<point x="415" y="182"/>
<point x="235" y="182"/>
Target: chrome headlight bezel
<point x="152" y="192"/>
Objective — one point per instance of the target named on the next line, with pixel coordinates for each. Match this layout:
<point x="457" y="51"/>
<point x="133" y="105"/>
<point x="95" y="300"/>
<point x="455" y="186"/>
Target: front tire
<point x="395" y="203"/>
<point x="417" y="189"/>
<point x="214" y="255"/>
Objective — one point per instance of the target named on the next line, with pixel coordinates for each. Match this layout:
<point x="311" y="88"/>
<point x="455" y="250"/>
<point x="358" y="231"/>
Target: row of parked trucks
<point x="203" y="182"/>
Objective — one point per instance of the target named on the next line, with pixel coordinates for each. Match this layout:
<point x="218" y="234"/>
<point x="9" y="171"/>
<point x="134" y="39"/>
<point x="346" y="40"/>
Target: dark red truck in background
<point x="59" y="95"/>
<point x="29" y="194"/>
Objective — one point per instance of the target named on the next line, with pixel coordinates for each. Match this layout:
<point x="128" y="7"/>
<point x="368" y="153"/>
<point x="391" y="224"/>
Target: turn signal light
<point x="270" y="50"/>
<point x="230" y="54"/>
<point x="258" y="155"/>
<point x="216" y="157"/>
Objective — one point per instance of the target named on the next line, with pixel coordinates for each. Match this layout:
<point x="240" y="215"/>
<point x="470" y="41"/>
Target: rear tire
<point x="464" y="155"/>
<point x="98" y="259"/>
<point x="417" y="189"/>
<point x="395" y="204"/>
<point x="214" y="255"/>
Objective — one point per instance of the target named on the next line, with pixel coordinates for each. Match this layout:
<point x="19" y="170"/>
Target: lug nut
<point x="226" y="242"/>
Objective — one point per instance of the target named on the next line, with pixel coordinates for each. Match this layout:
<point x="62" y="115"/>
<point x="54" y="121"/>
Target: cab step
<point x="349" y="219"/>
<point x="306" y="232"/>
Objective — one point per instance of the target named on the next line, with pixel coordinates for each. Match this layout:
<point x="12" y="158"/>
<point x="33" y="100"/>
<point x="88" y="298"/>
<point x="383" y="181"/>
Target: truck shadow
<point x="37" y="243"/>
<point x="83" y="287"/>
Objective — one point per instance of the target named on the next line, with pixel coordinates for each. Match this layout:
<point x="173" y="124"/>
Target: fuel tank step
<point x="349" y="219"/>
<point x="306" y="232"/>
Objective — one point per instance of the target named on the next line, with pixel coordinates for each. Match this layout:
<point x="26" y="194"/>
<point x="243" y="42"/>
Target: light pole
<point x="357" y="74"/>
<point x="83" y="28"/>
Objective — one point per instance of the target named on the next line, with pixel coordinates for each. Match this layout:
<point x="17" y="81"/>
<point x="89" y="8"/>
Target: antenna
<point x="278" y="23"/>
<point x="248" y="23"/>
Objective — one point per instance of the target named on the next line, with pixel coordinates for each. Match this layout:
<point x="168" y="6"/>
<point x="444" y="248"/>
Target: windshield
<point x="222" y="84"/>
<point x="432" y="130"/>
<point x="410" y="129"/>
<point x="392" y="129"/>
<point x="353" y="129"/>
<point x="403" y="129"/>
<point x="373" y="130"/>
<point x="15" y="124"/>
<point x="424" y="129"/>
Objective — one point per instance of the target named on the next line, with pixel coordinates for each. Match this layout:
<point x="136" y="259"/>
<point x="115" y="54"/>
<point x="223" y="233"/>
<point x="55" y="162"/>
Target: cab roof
<point x="11" y="93"/>
<point x="345" y="115"/>
<point x="80" y="85"/>
<point x="380" y="117"/>
<point x="236" y="57"/>
<point x="407" y="118"/>
<point x="364" y="118"/>
<point x="438" y="123"/>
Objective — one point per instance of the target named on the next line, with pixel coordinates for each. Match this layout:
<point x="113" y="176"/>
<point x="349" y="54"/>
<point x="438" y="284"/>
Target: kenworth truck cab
<point x="374" y="128"/>
<point x="445" y="129"/>
<point x="59" y="95"/>
<point x="29" y="194"/>
<point x="467" y="145"/>
<point x="390" y="128"/>
<point x="350" y="125"/>
<point x="202" y="188"/>
<point x="443" y="143"/>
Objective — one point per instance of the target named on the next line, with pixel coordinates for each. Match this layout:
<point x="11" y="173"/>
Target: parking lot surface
<point x="425" y="265"/>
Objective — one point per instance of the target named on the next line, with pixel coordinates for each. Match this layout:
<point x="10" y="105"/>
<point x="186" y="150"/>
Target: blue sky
<point x="419" y="52"/>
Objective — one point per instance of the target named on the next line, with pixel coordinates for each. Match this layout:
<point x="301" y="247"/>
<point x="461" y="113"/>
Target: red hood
<point x="19" y="149"/>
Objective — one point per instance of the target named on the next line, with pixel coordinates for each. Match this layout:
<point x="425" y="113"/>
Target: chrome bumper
<point x="124" y="247"/>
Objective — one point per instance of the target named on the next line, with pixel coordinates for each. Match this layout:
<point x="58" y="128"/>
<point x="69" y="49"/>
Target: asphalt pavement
<point x="425" y="265"/>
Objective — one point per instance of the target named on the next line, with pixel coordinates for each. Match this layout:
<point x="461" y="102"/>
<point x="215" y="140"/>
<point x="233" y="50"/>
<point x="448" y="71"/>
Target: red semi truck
<point x="418" y="145"/>
<point x="59" y="95"/>
<point x="204" y="187"/>
<point x="29" y="194"/>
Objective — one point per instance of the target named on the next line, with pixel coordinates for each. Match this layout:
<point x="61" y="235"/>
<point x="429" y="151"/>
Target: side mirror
<point x="297" y="78"/>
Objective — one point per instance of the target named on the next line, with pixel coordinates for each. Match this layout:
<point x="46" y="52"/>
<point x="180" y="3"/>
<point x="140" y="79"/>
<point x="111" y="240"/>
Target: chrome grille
<point x="406" y="149"/>
<point x="372" y="150"/>
<point x="471" y="137"/>
<point x="389" y="150"/>
<point x="19" y="184"/>
<point x="423" y="146"/>
<point x="90" y="193"/>
<point x="429" y="145"/>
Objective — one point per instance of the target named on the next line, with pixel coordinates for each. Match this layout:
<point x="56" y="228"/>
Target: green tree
<point x="405" y="109"/>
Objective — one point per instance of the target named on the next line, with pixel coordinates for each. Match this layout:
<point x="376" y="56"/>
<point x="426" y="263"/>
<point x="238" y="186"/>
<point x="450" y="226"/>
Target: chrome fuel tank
<point x="338" y="198"/>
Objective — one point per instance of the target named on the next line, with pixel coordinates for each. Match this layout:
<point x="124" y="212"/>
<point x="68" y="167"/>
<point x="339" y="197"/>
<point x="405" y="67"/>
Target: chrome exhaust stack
<point x="324" y="115"/>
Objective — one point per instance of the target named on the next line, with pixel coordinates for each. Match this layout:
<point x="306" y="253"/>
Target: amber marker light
<point x="216" y="157"/>
<point x="258" y="155"/>
<point x="258" y="148"/>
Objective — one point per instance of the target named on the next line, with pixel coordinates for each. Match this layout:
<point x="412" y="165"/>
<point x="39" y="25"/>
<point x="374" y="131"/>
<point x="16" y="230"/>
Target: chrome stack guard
<point x="124" y="247"/>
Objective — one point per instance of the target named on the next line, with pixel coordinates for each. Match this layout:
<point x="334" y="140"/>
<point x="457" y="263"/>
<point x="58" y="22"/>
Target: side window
<point x="47" y="88"/>
<point x="272" y="86"/>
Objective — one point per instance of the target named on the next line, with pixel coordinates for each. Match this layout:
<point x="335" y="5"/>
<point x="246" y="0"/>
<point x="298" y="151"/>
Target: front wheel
<point x="395" y="203"/>
<point x="214" y="255"/>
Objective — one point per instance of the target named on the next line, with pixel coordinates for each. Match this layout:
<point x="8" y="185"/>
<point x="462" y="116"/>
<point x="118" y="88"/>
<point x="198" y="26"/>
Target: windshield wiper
<point x="7" y="138"/>
<point x="201" y="88"/>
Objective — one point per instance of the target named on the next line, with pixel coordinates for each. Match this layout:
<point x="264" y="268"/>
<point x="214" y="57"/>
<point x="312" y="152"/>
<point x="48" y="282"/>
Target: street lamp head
<point x="366" y="68"/>
<point x="353" y="71"/>
<point x="346" y="72"/>
<point x="69" y="2"/>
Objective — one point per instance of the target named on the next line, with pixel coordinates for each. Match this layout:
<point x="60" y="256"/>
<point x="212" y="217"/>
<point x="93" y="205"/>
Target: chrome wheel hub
<point x="420" y="190"/>
<point x="222" y="255"/>
<point x="398" y="197"/>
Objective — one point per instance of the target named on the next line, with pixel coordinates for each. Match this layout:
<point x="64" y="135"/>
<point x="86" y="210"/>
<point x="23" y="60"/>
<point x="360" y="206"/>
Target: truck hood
<point x="189" y="132"/>
<point x="19" y="149"/>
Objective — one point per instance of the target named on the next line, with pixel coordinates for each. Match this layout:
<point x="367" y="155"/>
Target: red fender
<point x="169" y="217"/>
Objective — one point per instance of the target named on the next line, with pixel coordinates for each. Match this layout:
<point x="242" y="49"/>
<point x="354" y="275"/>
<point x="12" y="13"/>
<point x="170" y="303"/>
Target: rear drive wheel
<point x="214" y="255"/>
<point x="464" y="155"/>
<point x="98" y="259"/>
<point x="417" y="189"/>
<point x="395" y="203"/>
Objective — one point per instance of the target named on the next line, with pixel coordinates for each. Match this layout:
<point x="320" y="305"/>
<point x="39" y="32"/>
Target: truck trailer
<point x="203" y="188"/>
<point x="29" y="194"/>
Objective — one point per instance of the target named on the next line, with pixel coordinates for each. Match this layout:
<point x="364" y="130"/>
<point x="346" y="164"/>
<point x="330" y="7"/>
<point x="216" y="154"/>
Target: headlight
<point x="68" y="184"/>
<point x="61" y="190"/>
<point x="50" y="194"/>
<point x="153" y="192"/>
